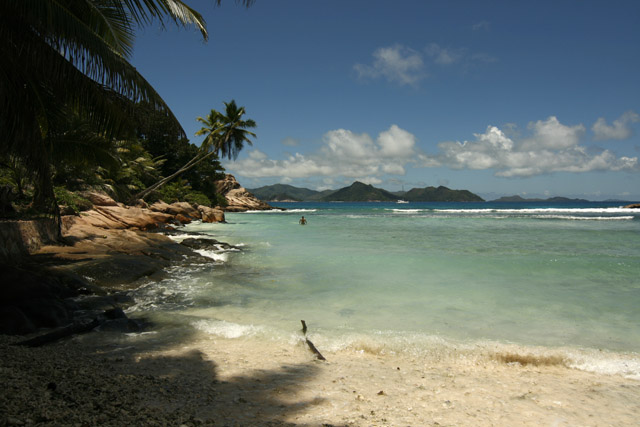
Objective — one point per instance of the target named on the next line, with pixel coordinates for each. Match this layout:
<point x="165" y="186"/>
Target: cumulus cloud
<point x="552" y="147"/>
<point x="620" y="129"/>
<point x="547" y="146"/>
<point x="552" y="134"/>
<point x="397" y="64"/>
<point x="343" y="153"/>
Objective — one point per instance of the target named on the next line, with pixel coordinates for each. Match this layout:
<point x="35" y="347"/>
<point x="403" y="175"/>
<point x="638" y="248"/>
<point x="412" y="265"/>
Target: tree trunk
<point x="190" y="164"/>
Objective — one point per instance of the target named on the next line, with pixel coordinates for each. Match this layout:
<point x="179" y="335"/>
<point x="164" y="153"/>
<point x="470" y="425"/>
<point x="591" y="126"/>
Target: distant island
<point x="360" y="192"/>
<point x="549" y="200"/>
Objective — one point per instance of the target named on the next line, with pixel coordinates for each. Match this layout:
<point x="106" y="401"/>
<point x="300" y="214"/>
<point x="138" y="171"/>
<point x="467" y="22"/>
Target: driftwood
<point x="58" y="334"/>
<point x="76" y="328"/>
<point x="310" y="344"/>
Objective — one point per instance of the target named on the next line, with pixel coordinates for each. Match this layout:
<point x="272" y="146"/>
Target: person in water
<point x="303" y="221"/>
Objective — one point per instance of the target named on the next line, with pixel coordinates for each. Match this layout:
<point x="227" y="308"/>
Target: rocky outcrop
<point x="211" y="214"/>
<point x="104" y="247"/>
<point x="238" y="198"/>
<point x="106" y="226"/>
<point x="633" y="206"/>
<point x="19" y="238"/>
<point x="98" y="198"/>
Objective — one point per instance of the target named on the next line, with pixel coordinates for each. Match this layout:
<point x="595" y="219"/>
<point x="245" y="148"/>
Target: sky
<point x="535" y="98"/>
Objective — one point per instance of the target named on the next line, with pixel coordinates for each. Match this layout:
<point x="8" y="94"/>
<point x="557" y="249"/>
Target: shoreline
<point x="160" y="378"/>
<point x="164" y="376"/>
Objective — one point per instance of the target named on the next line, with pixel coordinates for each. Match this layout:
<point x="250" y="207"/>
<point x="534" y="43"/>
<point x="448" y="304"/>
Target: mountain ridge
<point x="360" y="192"/>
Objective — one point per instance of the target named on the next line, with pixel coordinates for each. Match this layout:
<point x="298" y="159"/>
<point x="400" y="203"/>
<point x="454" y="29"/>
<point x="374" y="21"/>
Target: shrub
<point x="71" y="200"/>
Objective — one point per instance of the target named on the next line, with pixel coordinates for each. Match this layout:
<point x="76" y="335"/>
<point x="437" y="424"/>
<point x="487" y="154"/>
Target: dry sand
<point x="200" y="380"/>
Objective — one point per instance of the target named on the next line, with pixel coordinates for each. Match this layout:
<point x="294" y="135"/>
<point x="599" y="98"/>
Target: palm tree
<point x="71" y="55"/>
<point x="225" y="134"/>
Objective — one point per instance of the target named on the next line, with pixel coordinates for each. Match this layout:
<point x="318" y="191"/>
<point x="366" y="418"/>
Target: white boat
<point x="402" y="201"/>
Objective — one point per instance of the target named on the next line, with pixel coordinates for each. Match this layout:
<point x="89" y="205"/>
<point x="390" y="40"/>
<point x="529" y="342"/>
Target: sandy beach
<point x="95" y="380"/>
<point x="166" y="375"/>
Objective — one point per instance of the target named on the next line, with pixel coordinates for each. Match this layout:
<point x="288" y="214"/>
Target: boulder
<point x="211" y="214"/>
<point x="238" y="198"/>
<point x="32" y="299"/>
<point x="633" y="206"/>
<point x="182" y="219"/>
<point x="178" y="208"/>
<point x="98" y="198"/>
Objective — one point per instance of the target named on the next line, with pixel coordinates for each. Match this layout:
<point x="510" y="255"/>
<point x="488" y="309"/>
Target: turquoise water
<point x="533" y="275"/>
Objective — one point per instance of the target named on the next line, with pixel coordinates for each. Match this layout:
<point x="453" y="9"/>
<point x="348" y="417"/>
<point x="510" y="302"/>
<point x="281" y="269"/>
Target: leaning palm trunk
<point x="224" y="133"/>
<point x="190" y="164"/>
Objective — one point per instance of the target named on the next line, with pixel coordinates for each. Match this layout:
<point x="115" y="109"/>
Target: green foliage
<point x="135" y="170"/>
<point x="282" y="192"/>
<point x="225" y="134"/>
<point x="440" y="194"/>
<point x="164" y="141"/>
<point x="179" y="191"/>
<point x="67" y="96"/>
<point x="70" y="57"/>
<point x="359" y="192"/>
<point x="221" y="201"/>
<point x="198" y="198"/>
<point x="71" y="200"/>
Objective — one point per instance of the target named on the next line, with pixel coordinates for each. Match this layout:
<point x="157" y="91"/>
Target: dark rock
<point x="120" y="325"/>
<point x="208" y="244"/>
<point x="198" y="243"/>
<point x="32" y="298"/>
<point x="115" y="313"/>
<point x="46" y="312"/>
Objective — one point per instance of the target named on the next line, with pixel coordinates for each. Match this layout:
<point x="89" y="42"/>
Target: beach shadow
<point x="185" y="387"/>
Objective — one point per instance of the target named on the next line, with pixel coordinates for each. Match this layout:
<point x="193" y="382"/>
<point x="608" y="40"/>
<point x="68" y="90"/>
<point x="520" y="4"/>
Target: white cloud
<point x="553" y="135"/>
<point x="397" y="64"/>
<point x="620" y="129"/>
<point x="552" y="147"/>
<point x="406" y="66"/>
<point x="343" y="153"/>
<point x="371" y="180"/>
<point x="547" y="147"/>
<point x="442" y="55"/>
<point x="396" y="143"/>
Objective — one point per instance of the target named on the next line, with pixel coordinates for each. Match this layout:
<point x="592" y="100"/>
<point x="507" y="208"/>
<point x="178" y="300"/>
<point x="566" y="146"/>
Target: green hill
<point x="440" y="194"/>
<point x="277" y="192"/>
<point x="359" y="192"/>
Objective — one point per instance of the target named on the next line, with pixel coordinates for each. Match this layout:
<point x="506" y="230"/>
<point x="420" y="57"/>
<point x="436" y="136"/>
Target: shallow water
<point x="408" y="278"/>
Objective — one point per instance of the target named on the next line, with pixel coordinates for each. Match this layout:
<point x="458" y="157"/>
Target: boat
<point x="401" y="201"/>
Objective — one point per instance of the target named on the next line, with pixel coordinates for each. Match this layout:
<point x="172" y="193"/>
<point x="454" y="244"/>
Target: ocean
<point x="419" y="280"/>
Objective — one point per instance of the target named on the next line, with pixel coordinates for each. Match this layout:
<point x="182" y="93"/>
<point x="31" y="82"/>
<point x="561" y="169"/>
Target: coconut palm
<point x="71" y="55"/>
<point x="225" y="134"/>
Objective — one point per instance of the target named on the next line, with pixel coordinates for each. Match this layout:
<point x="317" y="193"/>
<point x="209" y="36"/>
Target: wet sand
<point x="197" y="380"/>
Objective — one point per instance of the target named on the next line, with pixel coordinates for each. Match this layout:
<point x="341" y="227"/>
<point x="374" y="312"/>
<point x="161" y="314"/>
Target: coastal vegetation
<point x="224" y="133"/>
<point x="75" y="114"/>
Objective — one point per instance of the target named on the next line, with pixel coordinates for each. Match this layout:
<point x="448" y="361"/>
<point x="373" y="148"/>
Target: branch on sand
<point x="310" y="344"/>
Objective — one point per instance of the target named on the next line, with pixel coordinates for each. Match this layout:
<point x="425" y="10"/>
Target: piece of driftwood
<point x="58" y="334"/>
<point x="310" y="344"/>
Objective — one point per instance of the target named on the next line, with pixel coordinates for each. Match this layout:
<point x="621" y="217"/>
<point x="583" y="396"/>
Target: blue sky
<point x="537" y="98"/>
